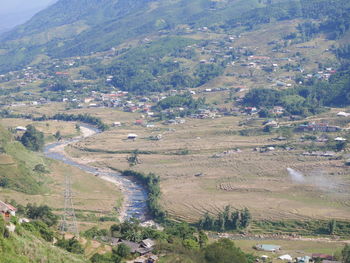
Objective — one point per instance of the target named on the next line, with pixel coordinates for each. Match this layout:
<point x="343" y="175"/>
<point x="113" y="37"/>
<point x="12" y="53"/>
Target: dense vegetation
<point x="85" y="118"/>
<point x="33" y="139"/>
<point x="178" y="239"/>
<point x="154" y="67"/>
<point x="226" y="220"/>
<point x="307" y="99"/>
<point x="334" y="16"/>
<point x="184" y="101"/>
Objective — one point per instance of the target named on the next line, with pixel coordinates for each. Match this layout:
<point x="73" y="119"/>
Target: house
<point x="152" y="259"/>
<point x="251" y="110"/>
<point x="316" y="256"/>
<point x="286" y="257"/>
<point x="272" y="124"/>
<point x="305" y="259"/>
<point x="147" y="243"/>
<point x="7" y="210"/>
<point x="144" y="247"/>
<point x="318" y="127"/>
<point x="132" y="136"/>
<point x="343" y="114"/>
<point x="139" y="122"/>
<point x="340" y="139"/>
<point x="117" y="124"/>
<point x="21" y="128"/>
<point x="268" y="248"/>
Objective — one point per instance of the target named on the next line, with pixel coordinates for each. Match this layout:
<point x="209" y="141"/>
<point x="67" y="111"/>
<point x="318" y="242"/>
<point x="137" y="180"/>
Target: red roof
<point x="322" y="256"/>
<point x="10" y="207"/>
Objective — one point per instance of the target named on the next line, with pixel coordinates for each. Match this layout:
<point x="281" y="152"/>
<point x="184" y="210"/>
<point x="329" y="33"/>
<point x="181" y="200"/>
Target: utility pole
<point x="69" y="221"/>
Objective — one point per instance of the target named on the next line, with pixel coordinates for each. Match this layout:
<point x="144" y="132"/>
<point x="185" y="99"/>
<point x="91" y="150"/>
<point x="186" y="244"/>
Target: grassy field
<point x="295" y="248"/>
<point x="246" y="178"/>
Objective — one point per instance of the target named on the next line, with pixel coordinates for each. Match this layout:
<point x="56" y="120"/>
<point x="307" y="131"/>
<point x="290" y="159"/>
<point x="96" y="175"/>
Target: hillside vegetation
<point x="24" y="246"/>
<point x="17" y="165"/>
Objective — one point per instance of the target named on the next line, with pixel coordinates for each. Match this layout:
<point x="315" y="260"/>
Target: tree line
<point x="85" y="118"/>
<point x="226" y="220"/>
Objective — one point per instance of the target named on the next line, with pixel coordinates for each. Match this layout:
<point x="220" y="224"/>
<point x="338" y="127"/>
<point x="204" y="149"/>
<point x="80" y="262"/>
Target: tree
<point x="235" y="220"/>
<point x="332" y="226"/>
<point x="122" y="251"/>
<point x="43" y="213"/>
<point x="71" y="245"/>
<point x="224" y="251"/>
<point x="134" y="158"/>
<point x="33" y="139"/>
<point x="246" y="217"/>
<point x="346" y="254"/>
<point x="58" y="136"/>
<point x="190" y="244"/>
<point x="40" y="168"/>
<point x="202" y="239"/>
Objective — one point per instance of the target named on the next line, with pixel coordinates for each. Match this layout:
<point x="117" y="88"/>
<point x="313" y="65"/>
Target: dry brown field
<point x="259" y="181"/>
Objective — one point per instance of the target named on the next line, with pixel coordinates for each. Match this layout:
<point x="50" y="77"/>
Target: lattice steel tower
<point x="69" y="221"/>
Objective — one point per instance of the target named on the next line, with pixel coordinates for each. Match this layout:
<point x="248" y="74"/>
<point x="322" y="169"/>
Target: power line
<point x="69" y="221"/>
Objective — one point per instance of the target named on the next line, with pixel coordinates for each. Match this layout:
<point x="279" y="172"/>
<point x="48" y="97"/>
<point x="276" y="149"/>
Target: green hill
<point x="24" y="246"/>
<point x="17" y="166"/>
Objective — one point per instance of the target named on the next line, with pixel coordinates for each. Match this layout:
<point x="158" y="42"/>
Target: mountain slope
<point x="79" y="27"/>
<point x="70" y="28"/>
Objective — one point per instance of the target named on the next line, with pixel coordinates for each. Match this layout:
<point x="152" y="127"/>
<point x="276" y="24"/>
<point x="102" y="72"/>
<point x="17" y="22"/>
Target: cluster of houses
<point x="318" y="127"/>
<point x="316" y="257"/>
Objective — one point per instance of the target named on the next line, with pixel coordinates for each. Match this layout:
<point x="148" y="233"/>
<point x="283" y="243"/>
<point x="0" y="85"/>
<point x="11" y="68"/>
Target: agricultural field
<point x="205" y="165"/>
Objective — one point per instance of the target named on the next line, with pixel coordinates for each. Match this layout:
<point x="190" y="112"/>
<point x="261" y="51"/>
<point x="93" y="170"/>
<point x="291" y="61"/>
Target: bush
<point x="39" y="228"/>
<point x="224" y="251"/>
<point x="43" y="213"/>
<point x="71" y="245"/>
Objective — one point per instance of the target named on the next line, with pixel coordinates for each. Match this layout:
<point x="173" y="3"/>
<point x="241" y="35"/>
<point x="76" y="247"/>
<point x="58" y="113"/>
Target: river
<point x="135" y="195"/>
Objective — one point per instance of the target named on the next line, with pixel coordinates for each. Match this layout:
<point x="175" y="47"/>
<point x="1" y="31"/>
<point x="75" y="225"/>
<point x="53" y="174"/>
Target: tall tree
<point x="346" y="254"/>
<point x="33" y="139"/>
<point x="246" y="217"/>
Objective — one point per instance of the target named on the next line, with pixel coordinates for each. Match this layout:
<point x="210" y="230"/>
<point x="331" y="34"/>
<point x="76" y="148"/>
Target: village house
<point x="132" y="136"/>
<point x="318" y="127"/>
<point x="318" y="256"/>
<point x="144" y="247"/>
<point x="267" y="248"/>
<point x="7" y="210"/>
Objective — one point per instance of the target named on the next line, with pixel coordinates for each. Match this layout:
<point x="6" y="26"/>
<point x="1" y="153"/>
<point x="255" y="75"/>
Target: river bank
<point x="135" y="196"/>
